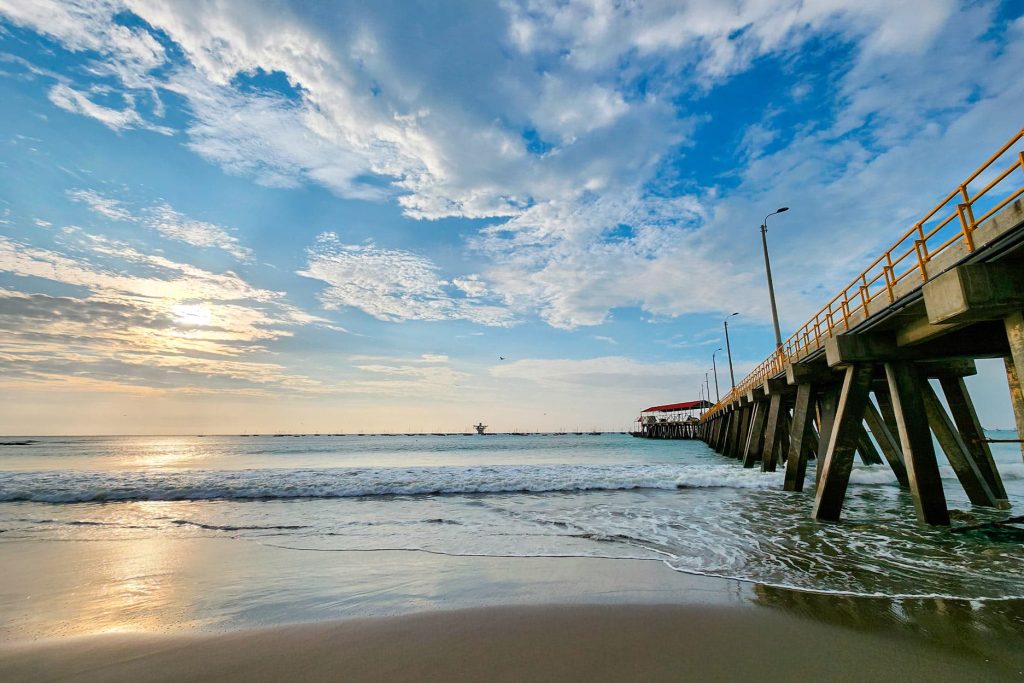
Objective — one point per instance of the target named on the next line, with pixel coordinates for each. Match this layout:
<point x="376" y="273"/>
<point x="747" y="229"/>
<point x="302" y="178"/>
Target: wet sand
<point x="540" y="643"/>
<point x="192" y="609"/>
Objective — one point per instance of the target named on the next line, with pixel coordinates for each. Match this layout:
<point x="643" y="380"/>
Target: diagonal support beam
<point x="888" y="443"/>
<point x="868" y="453"/>
<point x="916" y="443"/>
<point x="966" y="419"/>
<point x="960" y="458"/>
<point x="842" y="442"/>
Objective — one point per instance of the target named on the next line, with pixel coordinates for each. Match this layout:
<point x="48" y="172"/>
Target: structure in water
<point x="480" y="428"/>
<point x="858" y="377"/>
<point x="670" y="421"/>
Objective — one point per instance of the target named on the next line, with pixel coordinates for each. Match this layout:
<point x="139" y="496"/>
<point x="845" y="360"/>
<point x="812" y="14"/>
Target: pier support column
<point x="800" y="437"/>
<point x="755" y="435"/>
<point x="916" y="443"/>
<point x="743" y="429"/>
<point x="730" y="438"/>
<point x="842" y="442"/>
<point x="967" y="470"/>
<point x="888" y="443"/>
<point x="1015" y="368"/>
<point x="723" y="430"/>
<point x="966" y="419"/>
<point x="772" y="432"/>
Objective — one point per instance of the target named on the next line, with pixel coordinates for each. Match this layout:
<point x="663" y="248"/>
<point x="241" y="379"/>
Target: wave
<point x="176" y="485"/>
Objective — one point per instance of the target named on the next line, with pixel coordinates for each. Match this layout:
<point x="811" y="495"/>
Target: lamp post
<point x="728" y="349"/>
<point x="768" y="271"/>
<point x="714" y="367"/>
<point x="707" y="386"/>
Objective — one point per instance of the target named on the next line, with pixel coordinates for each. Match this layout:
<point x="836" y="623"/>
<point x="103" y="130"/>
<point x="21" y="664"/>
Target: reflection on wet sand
<point x="988" y="629"/>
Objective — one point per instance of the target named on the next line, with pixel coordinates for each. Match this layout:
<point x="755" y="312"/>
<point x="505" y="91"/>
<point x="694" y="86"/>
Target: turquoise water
<point x="607" y="496"/>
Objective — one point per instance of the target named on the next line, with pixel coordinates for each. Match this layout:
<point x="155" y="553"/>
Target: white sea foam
<point x="728" y="476"/>
<point x="75" y="487"/>
<point x="872" y="474"/>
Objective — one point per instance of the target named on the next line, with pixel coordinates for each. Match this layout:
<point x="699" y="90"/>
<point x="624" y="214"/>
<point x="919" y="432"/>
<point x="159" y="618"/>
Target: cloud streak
<point x="395" y="285"/>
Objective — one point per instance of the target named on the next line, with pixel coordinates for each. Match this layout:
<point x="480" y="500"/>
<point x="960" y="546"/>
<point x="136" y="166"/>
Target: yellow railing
<point x="910" y="255"/>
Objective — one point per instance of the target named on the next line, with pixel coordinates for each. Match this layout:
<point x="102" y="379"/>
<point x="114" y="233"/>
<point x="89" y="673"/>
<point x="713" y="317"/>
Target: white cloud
<point x="605" y="373"/>
<point x="471" y="285"/>
<point x="104" y="206"/>
<point x="390" y="284"/>
<point x="69" y="99"/>
<point x="373" y="111"/>
<point x="176" y="226"/>
<point x="167" y="221"/>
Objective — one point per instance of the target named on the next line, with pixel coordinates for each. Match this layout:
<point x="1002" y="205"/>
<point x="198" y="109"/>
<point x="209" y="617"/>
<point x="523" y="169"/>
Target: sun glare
<point x="191" y="315"/>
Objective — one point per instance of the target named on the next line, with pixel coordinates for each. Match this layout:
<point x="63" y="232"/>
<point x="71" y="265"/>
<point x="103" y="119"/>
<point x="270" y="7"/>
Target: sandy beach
<point x="539" y="643"/>
<point x="535" y="619"/>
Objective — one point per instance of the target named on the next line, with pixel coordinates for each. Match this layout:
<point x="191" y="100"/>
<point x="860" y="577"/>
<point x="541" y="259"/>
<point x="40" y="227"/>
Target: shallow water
<point x="606" y="496"/>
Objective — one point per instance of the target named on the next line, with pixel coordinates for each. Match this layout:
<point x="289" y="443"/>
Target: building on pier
<point x="670" y="421"/>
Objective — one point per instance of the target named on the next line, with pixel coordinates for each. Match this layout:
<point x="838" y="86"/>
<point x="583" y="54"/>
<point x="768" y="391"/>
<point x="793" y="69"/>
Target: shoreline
<point x="538" y="642"/>
<point x="243" y="611"/>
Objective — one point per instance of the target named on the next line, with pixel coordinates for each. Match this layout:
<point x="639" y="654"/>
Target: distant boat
<point x="480" y="428"/>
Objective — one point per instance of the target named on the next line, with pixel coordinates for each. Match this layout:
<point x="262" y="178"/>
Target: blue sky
<point x="231" y="216"/>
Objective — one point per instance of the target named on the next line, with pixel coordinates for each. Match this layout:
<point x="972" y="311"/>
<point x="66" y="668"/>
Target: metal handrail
<point x="858" y="296"/>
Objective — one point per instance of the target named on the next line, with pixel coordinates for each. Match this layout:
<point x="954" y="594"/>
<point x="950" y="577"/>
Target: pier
<point x="857" y="378"/>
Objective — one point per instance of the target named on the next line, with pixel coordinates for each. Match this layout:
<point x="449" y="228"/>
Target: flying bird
<point x="501" y="357"/>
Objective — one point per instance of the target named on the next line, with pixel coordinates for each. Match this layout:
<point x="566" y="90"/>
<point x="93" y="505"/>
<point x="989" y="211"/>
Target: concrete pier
<point x="863" y="377"/>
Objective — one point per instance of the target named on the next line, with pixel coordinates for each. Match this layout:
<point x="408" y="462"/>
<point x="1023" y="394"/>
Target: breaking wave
<point x="80" y="487"/>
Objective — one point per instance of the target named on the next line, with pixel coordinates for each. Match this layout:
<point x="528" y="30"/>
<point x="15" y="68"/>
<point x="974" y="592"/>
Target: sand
<point x="518" y="643"/>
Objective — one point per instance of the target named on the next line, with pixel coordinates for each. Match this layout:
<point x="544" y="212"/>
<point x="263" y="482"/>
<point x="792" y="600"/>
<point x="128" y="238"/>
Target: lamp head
<point x="782" y="210"/>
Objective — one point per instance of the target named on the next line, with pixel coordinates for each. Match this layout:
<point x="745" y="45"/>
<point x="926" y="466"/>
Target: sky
<point x="233" y="217"/>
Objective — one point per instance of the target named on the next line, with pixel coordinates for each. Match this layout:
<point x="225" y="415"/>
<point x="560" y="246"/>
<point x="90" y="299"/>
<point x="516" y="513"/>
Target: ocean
<point x="535" y="496"/>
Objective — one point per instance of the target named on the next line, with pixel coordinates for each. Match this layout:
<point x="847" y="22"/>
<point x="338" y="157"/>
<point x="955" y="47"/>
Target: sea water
<point x="608" y="496"/>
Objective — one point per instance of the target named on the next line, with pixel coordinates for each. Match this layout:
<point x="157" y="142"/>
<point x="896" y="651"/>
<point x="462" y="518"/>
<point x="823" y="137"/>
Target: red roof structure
<point x="673" y="407"/>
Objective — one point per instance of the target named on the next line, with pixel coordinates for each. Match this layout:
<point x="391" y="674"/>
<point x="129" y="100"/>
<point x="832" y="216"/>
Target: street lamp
<point x="728" y="350"/>
<point x="707" y="385"/>
<point x="768" y="271"/>
<point x="714" y="366"/>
